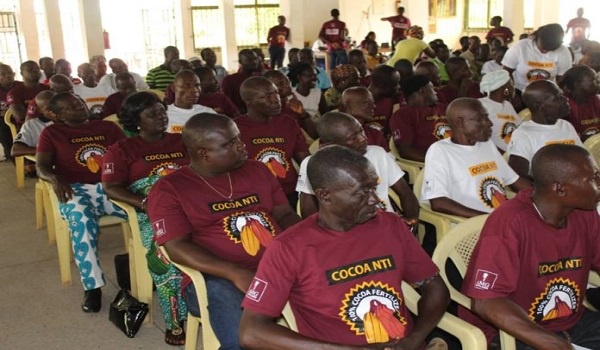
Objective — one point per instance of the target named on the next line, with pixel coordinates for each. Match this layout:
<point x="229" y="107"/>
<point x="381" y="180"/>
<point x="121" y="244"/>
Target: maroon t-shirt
<point x="133" y="158"/>
<point x="334" y="32"/>
<point x="585" y="117"/>
<point x="169" y="98"/>
<point x="231" y="88"/>
<point x="182" y="205"/>
<point x="274" y="143"/>
<point x="383" y="112"/>
<point x="541" y="268"/>
<point x="78" y="151"/>
<point x="420" y="126"/>
<point x="339" y="283"/>
<point x="4" y="98"/>
<point x="502" y="33"/>
<point x="400" y="25"/>
<point x="22" y="94"/>
<point x="375" y="137"/>
<point x="112" y="104"/>
<point x="448" y="93"/>
<point x="278" y="35"/>
<point x="220" y="103"/>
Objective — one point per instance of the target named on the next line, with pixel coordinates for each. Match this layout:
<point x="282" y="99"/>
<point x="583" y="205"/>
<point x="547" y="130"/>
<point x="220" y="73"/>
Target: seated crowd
<point x="219" y="170"/>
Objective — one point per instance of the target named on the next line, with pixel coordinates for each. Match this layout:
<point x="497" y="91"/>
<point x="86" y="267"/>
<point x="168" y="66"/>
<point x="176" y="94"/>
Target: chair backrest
<point x="525" y="114"/>
<point x="418" y="184"/>
<point x="159" y="93"/>
<point x="11" y="125"/>
<point x="592" y="144"/>
<point x="314" y="147"/>
<point x="457" y="245"/>
<point x="113" y="118"/>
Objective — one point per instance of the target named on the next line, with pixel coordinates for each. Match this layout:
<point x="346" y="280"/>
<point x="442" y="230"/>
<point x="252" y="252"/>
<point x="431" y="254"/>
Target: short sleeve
<point x="168" y="218"/>
<point x="402" y="127"/>
<point x="45" y="142"/>
<point x="27" y="135"/>
<point x="303" y="185"/>
<point x="115" y="167"/>
<point x="520" y="145"/>
<point x="436" y="174"/>
<point x="300" y="145"/>
<point x="508" y="175"/>
<point x="511" y="58"/>
<point x="393" y="170"/>
<point x="565" y="61"/>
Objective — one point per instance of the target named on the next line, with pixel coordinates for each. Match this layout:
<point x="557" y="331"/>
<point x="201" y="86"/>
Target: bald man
<point x="217" y="216"/>
<point x="465" y="174"/>
<point x="90" y="91"/>
<point x="529" y="271"/>
<point x="359" y="103"/>
<point x="548" y="107"/>
<point x="117" y="66"/>
<point x="308" y="266"/>
<point x="187" y="90"/>
<point x="270" y="136"/>
<point x="336" y="128"/>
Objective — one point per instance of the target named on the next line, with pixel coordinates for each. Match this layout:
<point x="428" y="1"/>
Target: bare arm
<point x="522" y="183"/>
<point x="118" y="191"/>
<point x="183" y="251"/>
<point x="410" y="204"/>
<point x="45" y="170"/>
<point x="449" y="206"/>
<point x="285" y="216"/>
<point x="429" y="52"/>
<point x="308" y="204"/>
<point x="508" y="316"/>
<point x="410" y="152"/>
<point x="520" y="165"/>
<point x="21" y="149"/>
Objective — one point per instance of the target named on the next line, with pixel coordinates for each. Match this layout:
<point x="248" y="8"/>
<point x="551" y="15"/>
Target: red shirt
<point x="278" y="35"/>
<point x="334" y="31"/>
<point x="448" y="94"/>
<point x="383" y="112"/>
<point x="112" y="104"/>
<point x="336" y="281"/>
<point x="419" y="126"/>
<point x="399" y="26"/>
<point x="181" y="205"/>
<point x="585" y="117"/>
<point x="578" y="25"/>
<point x="231" y="88"/>
<point x="4" y="97"/>
<point x="220" y="103"/>
<point x="375" y="137"/>
<point x="22" y="94"/>
<point x="541" y="268"/>
<point x="78" y="151"/>
<point x="274" y="143"/>
<point x="133" y="158"/>
<point x="169" y="95"/>
<point x="502" y="33"/>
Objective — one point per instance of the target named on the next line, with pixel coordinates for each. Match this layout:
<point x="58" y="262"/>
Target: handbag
<point x="127" y="313"/>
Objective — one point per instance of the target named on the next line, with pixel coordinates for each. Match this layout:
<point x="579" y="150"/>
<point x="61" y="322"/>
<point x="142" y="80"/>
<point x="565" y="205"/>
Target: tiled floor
<point x="36" y="310"/>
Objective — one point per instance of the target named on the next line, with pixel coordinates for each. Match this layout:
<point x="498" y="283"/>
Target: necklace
<point x="538" y="211"/>
<point x="214" y="189"/>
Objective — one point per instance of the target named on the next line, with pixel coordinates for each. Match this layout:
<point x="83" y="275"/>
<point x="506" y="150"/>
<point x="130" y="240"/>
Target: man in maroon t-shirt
<point x="271" y="137"/>
<point x="341" y="270"/>
<point x="460" y="84"/>
<point x="217" y="216"/>
<point x="358" y="102"/>
<point x="69" y="156"/>
<point x="504" y="34"/>
<point x="333" y="33"/>
<point x="276" y="38"/>
<point x="210" y="94"/>
<point x="580" y="27"/>
<point x="400" y="25"/>
<point x="19" y="97"/>
<point x="529" y="270"/>
<point x="581" y="88"/>
<point x="385" y="89"/>
<point x="7" y="83"/>
<point x="125" y="86"/>
<point x="249" y="66"/>
<point x="421" y="122"/>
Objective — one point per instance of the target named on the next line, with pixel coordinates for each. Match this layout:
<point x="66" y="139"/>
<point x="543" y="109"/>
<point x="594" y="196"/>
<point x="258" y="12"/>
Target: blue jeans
<point x="337" y="57"/>
<point x="225" y="306"/>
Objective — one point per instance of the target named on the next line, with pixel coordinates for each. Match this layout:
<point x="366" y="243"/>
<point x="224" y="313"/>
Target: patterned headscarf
<point x="341" y="72"/>
<point x="415" y="32"/>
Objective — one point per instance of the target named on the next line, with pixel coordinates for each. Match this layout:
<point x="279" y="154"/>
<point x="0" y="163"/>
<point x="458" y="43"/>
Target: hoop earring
<point x="506" y="92"/>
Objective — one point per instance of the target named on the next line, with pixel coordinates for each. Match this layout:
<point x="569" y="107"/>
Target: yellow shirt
<point x="409" y="49"/>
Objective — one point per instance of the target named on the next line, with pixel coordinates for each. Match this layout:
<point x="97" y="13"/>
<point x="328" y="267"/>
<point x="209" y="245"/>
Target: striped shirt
<point x="159" y="78"/>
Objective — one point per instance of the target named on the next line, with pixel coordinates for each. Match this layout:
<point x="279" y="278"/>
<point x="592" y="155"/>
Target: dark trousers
<point x="276" y="55"/>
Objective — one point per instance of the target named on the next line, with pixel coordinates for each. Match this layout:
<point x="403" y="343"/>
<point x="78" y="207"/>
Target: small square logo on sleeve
<point x="257" y="289"/>
<point x="429" y="185"/>
<point x="484" y="280"/>
<point x="159" y="227"/>
<point x="109" y="168"/>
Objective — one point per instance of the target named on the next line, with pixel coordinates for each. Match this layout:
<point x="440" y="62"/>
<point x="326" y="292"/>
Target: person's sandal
<point x="175" y="336"/>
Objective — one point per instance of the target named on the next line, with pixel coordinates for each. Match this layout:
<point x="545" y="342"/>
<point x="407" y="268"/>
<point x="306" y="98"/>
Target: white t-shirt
<point x="109" y="79"/>
<point x="474" y="176"/>
<point x="531" y="64"/>
<point x="531" y="136"/>
<point x="94" y="97"/>
<point x="31" y="130"/>
<point x="310" y="102"/>
<point x="490" y="66"/>
<point x="385" y="165"/>
<point x="505" y="120"/>
<point x="178" y="116"/>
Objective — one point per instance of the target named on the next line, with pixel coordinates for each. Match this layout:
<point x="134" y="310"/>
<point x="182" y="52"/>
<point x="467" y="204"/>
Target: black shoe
<point x="92" y="300"/>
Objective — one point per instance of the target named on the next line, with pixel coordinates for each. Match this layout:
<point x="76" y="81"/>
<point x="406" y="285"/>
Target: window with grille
<point x="253" y="18"/>
<point x="207" y="24"/>
<point x="479" y="12"/>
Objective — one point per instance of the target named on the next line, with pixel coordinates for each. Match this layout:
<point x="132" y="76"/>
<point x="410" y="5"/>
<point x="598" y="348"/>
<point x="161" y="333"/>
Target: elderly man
<point x="359" y="103"/>
<point x="465" y="175"/>
<point x="529" y="270"/>
<point x="160" y="77"/>
<point x="548" y="107"/>
<point x="271" y="137"/>
<point x="336" y="128"/>
<point x="90" y="91"/>
<point x="308" y="266"/>
<point x="117" y="66"/>
<point x="217" y="216"/>
<point x="187" y="91"/>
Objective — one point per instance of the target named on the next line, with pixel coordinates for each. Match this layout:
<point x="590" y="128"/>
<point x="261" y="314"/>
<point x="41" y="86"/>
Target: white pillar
<point x="229" y="51"/>
<point x="55" y="29"/>
<point x="185" y="33"/>
<point x="513" y="17"/>
<point x="91" y="25"/>
<point x="28" y="29"/>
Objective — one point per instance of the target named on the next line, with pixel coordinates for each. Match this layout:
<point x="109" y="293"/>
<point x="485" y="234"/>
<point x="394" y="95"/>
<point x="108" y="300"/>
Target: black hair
<point x="550" y="36"/>
<point x="133" y="106"/>
<point x="324" y="167"/>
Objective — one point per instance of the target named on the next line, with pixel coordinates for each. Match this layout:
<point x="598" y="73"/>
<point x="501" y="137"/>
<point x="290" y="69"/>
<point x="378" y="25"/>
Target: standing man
<point x="504" y="34"/>
<point x="160" y="77"/>
<point x="276" y="38"/>
<point x="580" y="27"/>
<point x="333" y="33"/>
<point x="217" y="216"/>
<point x="400" y="25"/>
